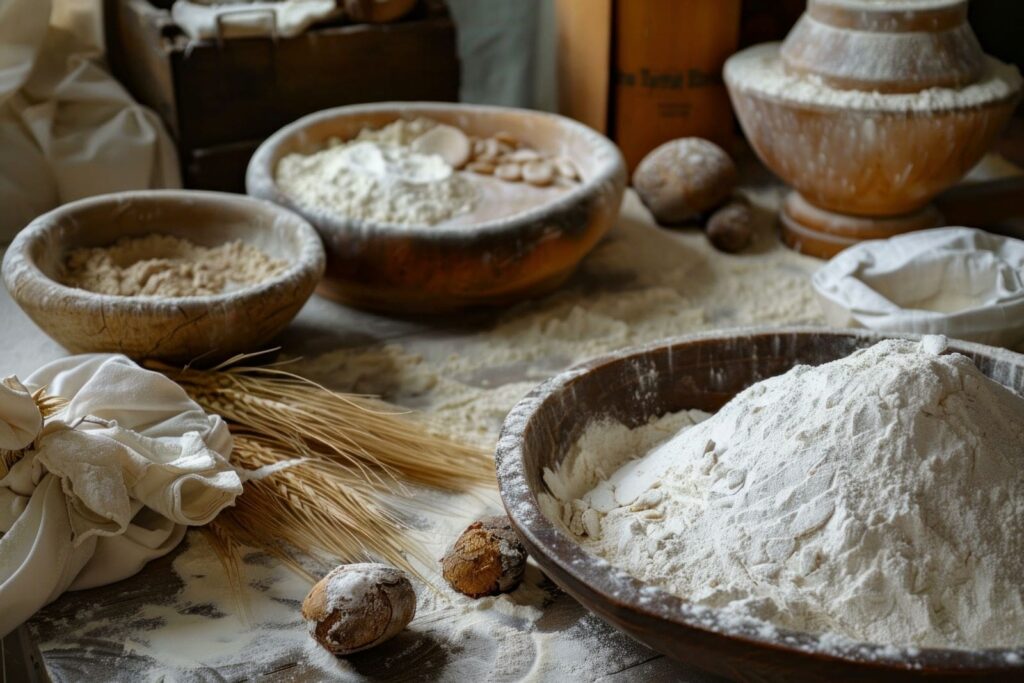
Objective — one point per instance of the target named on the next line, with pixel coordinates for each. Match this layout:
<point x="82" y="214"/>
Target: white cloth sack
<point x="67" y="129"/>
<point x="959" y="282"/>
<point x="245" y="19"/>
<point x="105" y="485"/>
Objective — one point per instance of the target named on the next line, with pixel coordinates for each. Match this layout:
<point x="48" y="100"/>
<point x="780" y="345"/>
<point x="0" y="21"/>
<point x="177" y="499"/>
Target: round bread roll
<point x="486" y="559"/>
<point x="359" y="606"/>
<point x="730" y="228"/>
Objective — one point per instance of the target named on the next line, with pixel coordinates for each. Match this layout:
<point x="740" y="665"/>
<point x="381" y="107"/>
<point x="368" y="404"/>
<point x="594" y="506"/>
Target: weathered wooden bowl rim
<point x="897" y="17"/>
<point x="20" y="269"/>
<point x="615" y="586"/>
<point x="896" y="113"/>
<point x="260" y="182"/>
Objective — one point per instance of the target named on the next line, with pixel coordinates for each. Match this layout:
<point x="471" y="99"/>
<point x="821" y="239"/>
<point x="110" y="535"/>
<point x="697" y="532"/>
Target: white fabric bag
<point x="958" y="282"/>
<point x="67" y="129"/>
<point x="105" y="485"/>
<point x="202" y="21"/>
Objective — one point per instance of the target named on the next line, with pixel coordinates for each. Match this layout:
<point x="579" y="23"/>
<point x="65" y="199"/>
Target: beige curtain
<point x="67" y="128"/>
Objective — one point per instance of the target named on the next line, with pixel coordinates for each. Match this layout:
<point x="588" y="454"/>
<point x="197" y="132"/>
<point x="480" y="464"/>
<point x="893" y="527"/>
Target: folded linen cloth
<point x="285" y="18"/>
<point x="106" y="484"/>
<point x="20" y="419"/>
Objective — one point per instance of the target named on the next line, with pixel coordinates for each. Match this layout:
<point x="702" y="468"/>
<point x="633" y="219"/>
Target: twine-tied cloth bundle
<point x="101" y="479"/>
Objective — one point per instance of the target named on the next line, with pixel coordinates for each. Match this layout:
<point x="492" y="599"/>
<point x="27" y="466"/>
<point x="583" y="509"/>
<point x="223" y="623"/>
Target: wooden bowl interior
<point x="545" y="133"/>
<point x="489" y="259"/>
<point x="207" y="221"/>
<point x="703" y="372"/>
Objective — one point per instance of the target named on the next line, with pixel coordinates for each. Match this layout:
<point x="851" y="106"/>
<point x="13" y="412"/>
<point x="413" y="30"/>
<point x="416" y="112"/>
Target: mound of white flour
<point x="879" y="497"/>
<point x="378" y="177"/>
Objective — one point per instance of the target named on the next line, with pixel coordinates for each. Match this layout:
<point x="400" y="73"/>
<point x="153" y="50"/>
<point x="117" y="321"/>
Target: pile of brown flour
<point x="166" y="266"/>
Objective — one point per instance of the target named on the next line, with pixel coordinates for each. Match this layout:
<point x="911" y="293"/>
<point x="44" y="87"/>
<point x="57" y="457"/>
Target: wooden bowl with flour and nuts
<point x="432" y="207"/>
<point x="113" y="273"/>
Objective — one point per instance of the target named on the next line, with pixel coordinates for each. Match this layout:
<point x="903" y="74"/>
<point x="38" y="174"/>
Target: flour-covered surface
<point x="177" y="620"/>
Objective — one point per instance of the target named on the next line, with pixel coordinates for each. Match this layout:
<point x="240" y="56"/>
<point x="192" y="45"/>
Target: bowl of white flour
<point x="791" y="504"/>
<point x="409" y="230"/>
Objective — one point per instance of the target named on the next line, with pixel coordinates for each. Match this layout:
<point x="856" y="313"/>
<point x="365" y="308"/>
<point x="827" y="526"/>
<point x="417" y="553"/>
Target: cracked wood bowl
<point x="705" y="371"/>
<point x="204" y="329"/>
<point x="505" y="250"/>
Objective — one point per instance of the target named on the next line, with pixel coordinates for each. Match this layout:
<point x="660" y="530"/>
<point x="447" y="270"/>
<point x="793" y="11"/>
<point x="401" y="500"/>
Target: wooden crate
<point x="220" y="99"/>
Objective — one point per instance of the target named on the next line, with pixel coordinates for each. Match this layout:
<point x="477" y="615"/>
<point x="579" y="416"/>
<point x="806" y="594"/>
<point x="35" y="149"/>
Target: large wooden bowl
<point x="702" y="371"/>
<point x="426" y="269"/>
<point x="205" y="329"/>
<point x="868" y="160"/>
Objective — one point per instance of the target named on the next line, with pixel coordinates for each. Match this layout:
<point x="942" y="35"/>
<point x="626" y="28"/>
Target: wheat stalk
<point x="335" y="458"/>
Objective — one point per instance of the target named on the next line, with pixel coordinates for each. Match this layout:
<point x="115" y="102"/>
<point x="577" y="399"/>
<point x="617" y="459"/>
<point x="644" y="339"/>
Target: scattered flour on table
<point x="878" y="498"/>
<point x="206" y="632"/>
<point x="641" y="284"/>
<point x="167" y="266"/>
<point x="377" y="177"/>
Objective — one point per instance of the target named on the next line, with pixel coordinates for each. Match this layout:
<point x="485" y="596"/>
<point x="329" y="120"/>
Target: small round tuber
<point x="683" y="178"/>
<point x="487" y="559"/>
<point x="358" y="606"/>
<point x="730" y="228"/>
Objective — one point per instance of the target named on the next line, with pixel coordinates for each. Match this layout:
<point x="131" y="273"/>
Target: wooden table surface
<point x="88" y="635"/>
<point x="94" y="634"/>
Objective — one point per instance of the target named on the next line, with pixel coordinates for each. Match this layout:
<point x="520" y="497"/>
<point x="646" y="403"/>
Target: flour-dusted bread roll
<point x="487" y="559"/>
<point x="359" y="606"/>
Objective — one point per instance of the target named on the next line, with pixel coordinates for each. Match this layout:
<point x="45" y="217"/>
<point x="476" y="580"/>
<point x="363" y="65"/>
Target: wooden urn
<point x="869" y="110"/>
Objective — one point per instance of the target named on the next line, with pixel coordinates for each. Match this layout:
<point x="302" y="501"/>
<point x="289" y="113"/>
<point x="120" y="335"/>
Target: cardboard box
<point x="647" y="71"/>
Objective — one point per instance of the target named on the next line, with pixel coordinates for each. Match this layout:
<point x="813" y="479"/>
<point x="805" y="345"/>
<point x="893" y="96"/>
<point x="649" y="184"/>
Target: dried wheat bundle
<point x="323" y="465"/>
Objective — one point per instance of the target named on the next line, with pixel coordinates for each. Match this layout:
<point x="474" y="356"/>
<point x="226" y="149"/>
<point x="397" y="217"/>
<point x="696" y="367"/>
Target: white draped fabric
<point x="103" y="486"/>
<point x="67" y="129"/>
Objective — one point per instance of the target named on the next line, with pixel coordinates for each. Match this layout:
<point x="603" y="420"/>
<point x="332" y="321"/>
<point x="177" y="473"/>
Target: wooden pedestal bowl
<point x="703" y="371"/>
<point x="869" y="110"/>
<point x="431" y="269"/>
<point x="202" y="329"/>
